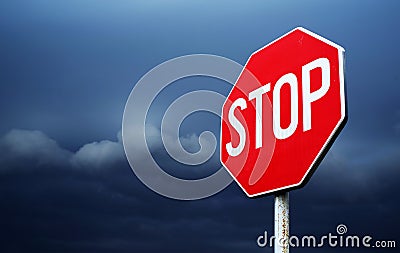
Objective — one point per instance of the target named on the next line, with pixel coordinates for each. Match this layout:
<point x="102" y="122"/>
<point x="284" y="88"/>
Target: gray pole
<point x="281" y="221"/>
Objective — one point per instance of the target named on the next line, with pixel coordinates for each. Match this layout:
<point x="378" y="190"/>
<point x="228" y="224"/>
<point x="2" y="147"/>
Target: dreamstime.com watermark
<point x="338" y="239"/>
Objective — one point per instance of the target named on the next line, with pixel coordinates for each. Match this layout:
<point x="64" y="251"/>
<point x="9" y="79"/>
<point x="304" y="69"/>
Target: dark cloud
<point x="69" y="208"/>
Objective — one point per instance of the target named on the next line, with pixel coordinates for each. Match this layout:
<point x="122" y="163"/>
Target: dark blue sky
<point x="67" y="68"/>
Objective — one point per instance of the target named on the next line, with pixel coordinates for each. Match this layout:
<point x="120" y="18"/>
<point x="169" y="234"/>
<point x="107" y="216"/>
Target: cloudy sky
<point x="66" y="71"/>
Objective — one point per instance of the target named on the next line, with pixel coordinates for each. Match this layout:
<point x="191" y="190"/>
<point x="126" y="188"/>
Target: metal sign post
<point x="281" y="222"/>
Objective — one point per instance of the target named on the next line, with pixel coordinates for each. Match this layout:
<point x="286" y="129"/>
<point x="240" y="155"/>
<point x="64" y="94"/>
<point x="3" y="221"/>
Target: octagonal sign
<point x="284" y="112"/>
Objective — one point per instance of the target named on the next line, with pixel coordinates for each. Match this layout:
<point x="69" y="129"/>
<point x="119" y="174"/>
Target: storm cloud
<point x="81" y="208"/>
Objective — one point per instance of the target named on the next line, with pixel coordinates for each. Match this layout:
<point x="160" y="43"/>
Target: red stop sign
<point x="284" y="112"/>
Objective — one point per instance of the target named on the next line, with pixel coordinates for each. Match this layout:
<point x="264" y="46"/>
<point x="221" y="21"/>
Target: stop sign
<point x="284" y="112"/>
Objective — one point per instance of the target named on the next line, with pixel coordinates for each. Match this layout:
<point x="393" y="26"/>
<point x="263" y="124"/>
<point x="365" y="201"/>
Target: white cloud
<point x="193" y="149"/>
<point x="189" y="149"/>
<point x="98" y="154"/>
<point x="21" y="147"/>
<point x="24" y="147"/>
